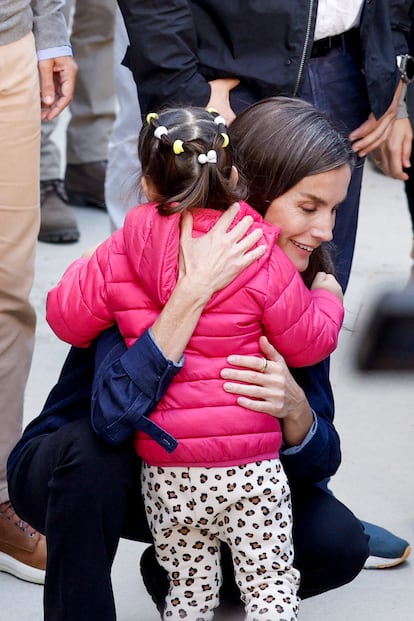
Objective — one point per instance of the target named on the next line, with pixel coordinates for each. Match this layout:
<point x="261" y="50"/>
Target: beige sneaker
<point x="22" y="549"/>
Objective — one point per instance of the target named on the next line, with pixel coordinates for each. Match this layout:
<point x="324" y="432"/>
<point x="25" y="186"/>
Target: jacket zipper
<point x="305" y="46"/>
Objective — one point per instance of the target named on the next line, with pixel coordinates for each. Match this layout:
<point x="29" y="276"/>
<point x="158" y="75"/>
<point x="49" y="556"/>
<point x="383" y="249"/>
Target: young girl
<point x="223" y="481"/>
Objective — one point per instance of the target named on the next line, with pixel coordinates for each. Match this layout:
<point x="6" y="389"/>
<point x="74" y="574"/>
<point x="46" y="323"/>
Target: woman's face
<point x="306" y="213"/>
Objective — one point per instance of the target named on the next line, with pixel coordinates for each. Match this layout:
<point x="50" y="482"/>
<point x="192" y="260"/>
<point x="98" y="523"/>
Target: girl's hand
<point x="326" y="281"/>
<point x="210" y="262"/>
<point x="89" y="251"/>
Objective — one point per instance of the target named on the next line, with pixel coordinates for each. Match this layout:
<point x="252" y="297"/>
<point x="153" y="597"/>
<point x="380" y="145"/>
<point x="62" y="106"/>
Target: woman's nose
<point x="323" y="229"/>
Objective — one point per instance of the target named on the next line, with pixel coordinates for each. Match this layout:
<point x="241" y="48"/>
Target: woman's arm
<point x="301" y="398"/>
<point x="207" y="264"/>
<point x="129" y="384"/>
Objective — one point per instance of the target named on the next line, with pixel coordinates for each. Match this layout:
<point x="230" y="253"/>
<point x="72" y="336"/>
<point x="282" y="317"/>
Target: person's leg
<point x="409" y="184"/>
<point x="185" y="546"/>
<point x="123" y="171"/>
<point x="334" y="84"/>
<point x="78" y="491"/>
<point x="330" y="544"/>
<point x="258" y="529"/>
<point x="50" y="164"/>
<point x="93" y="105"/>
<point x="329" y="541"/>
<point x="19" y="217"/>
<point x="50" y="156"/>
<point x="409" y="192"/>
<point x="58" y="222"/>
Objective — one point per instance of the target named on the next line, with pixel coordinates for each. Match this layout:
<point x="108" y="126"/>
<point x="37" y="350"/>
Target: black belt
<point x="322" y="47"/>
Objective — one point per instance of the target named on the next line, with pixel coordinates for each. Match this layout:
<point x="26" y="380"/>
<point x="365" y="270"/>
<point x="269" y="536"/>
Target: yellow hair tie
<point x="150" y="116"/>
<point x="226" y="140"/>
<point x="178" y="147"/>
<point x="212" y="110"/>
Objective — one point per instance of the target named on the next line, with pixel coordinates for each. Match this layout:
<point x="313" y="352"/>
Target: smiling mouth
<point x="302" y="246"/>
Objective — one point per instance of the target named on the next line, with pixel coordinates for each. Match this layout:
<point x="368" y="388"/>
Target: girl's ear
<point x="234" y="176"/>
<point x="148" y="189"/>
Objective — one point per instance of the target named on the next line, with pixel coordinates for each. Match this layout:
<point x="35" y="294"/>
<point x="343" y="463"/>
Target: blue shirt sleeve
<point x="319" y="455"/>
<point x="54" y="52"/>
<point x="127" y="387"/>
<point x="291" y="450"/>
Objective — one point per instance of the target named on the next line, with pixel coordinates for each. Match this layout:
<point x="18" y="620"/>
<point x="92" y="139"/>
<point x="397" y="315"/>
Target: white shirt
<point x="337" y="16"/>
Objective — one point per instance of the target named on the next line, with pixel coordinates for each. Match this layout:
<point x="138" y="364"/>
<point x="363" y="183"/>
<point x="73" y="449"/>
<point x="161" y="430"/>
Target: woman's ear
<point x="148" y="189"/>
<point x="234" y="176"/>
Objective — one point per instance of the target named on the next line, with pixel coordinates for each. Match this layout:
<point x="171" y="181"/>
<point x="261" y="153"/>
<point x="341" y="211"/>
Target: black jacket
<point x="177" y="46"/>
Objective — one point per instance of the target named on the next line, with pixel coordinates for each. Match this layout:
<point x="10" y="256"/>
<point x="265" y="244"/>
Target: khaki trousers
<point x="19" y="226"/>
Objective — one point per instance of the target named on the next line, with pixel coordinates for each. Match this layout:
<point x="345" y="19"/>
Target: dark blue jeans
<point x="334" y="84"/>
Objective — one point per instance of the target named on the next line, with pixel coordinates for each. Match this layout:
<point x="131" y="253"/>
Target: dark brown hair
<point x="278" y="142"/>
<point x="179" y="180"/>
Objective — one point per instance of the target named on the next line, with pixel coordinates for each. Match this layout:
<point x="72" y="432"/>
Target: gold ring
<point x="264" y="367"/>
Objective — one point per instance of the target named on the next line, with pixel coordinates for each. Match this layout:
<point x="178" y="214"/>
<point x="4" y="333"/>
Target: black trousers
<point x="84" y="495"/>
<point x="409" y="188"/>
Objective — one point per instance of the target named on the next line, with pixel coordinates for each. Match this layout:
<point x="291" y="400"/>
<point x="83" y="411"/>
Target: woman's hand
<point x="271" y="390"/>
<point x="210" y="262"/>
<point x="206" y="264"/>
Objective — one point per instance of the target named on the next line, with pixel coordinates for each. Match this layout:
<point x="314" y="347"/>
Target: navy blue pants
<point x="84" y="495"/>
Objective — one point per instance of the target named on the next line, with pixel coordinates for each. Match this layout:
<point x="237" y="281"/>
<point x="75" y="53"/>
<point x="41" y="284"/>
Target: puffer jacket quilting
<point x="128" y="281"/>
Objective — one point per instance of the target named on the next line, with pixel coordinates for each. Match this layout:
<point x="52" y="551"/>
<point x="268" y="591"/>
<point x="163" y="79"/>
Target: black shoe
<point x="85" y="184"/>
<point x="57" y="221"/>
<point x="155" y="580"/>
<point x="154" y="577"/>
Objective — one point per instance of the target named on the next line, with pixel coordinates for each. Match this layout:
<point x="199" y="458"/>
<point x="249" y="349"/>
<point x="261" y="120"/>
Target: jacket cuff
<point x="148" y="368"/>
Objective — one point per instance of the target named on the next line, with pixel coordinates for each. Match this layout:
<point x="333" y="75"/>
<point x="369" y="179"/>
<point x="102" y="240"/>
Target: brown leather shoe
<point x="22" y="549"/>
<point x="85" y="184"/>
<point x="57" y="220"/>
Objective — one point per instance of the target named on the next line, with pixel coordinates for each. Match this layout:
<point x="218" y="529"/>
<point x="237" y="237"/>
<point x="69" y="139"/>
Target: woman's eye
<point x="309" y="209"/>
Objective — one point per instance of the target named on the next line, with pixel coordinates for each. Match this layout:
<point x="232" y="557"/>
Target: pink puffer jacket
<point x="129" y="279"/>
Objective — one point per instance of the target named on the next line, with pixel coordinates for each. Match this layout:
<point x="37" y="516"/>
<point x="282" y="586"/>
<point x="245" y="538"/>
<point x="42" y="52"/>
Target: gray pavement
<point x="374" y="415"/>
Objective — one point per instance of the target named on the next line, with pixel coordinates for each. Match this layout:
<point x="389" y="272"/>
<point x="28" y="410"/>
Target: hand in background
<point x="373" y="132"/>
<point x="393" y="155"/>
<point x="57" y="85"/>
<point x="220" y="97"/>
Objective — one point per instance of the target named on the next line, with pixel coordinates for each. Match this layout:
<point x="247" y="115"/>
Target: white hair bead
<point x="159" y="131"/>
<point x="208" y="158"/>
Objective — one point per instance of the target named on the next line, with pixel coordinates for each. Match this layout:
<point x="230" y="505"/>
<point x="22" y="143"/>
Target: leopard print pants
<point x="190" y="510"/>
